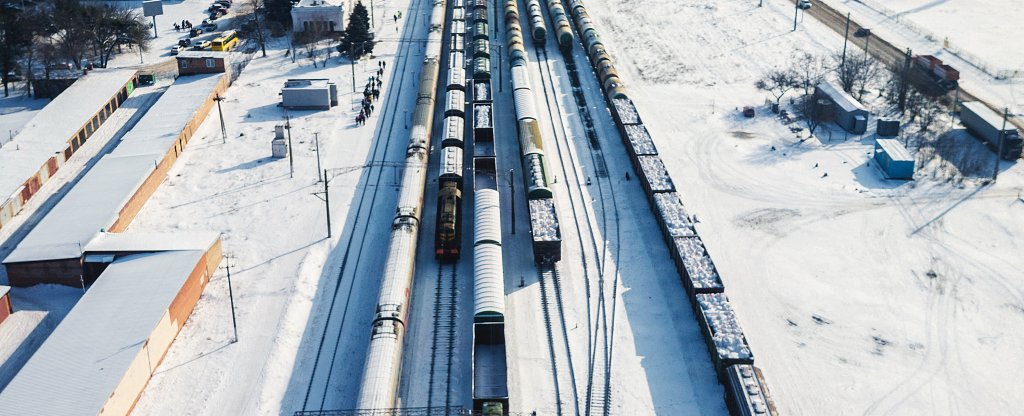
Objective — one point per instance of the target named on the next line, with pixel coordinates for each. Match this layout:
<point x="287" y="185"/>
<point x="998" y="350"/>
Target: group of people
<point x="185" y="24"/>
<point x="371" y="93"/>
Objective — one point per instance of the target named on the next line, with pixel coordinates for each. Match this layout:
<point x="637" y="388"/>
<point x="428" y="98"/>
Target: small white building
<point x="329" y="15"/>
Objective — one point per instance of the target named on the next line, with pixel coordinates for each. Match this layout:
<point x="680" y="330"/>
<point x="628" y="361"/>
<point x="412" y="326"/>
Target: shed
<point x="323" y="16"/>
<point x="101" y="356"/>
<point x="5" y="303"/>
<point x="202" y="62"/>
<point x="894" y="159"/>
<point x="309" y="94"/>
<point x="850" y="114"/>
<point x="888" y="128"/>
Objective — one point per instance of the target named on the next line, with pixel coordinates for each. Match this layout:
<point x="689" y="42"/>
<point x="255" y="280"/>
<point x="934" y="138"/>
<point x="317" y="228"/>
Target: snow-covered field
<point x="858" y="295"/>
<point x="986" y="28"/>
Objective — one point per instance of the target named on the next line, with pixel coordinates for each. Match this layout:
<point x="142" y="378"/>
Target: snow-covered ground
<point x="858" y="295"/>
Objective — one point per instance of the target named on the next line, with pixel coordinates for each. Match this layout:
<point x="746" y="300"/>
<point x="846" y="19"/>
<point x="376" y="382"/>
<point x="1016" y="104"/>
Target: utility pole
<point x="1002" y="135"/>
<point x="231" y="296"/>
<point x="327" y="201"/>
<point x="316" y="139"/>
<point x="155" y="35"/>
<point x="846" y="37"/>
<point x="223" y="129"/>
<point x="512" y="184"/>
<point x="371" y="18"/>
<point x="867" y="42"/>
<point x="796" y="11"/>
<point x="291" y="151"/>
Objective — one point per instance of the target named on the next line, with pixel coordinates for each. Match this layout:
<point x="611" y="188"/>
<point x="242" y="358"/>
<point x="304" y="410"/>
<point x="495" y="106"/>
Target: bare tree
<point x="811" y="70"/>
<point x="778" y="82"/>
<point x="811" y="113"/>
<point x="258" y="8"/>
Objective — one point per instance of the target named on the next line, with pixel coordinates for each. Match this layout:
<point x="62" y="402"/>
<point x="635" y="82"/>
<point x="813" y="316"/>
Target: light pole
<point x="231" y="297"/>
<point x="327" y="201"/>
<point x="512" y="185"/>
<point x="846" y="37"/>
<point x="796" y="11"/>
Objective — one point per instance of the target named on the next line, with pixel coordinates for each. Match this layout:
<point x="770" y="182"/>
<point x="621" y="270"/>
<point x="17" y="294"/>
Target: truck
<point x="987" y="125"/>
<point x="944" y="75"/>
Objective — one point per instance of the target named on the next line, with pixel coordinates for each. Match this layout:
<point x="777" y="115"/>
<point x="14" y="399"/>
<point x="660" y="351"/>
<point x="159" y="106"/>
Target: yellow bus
<point x="225" y="42"/>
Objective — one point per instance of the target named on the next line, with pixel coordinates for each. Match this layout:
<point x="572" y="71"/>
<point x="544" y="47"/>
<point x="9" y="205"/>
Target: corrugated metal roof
<point x="840" y="97"/>
<point x="895" y="150"/>
<point x="95" y="202"/>
<point x="48" y="132"/>
<point x="142" y="241"/>
<point x="488" y="280"/>
<point x="77" y="368"/>
<point x="202" y="54"/>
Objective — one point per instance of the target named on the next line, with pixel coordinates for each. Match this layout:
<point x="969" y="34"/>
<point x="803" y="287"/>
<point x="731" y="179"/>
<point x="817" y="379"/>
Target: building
<point x="894" y="159"/>
<point x="324" y="16"/>
<point x="53" y="136"/>
<point x="5" y="303"/>
<point x="101" y="356"/>
<point x="309" y="94"/>
<point x="849" y="113"/>
<point x="202" y="62"/>
<point x="115" y="189"/>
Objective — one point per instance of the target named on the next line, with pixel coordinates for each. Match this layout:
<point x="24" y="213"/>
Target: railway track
<point x="377" y="157"/>
<point x="548" y="275"/>
<point x="883" y="50"/>
<point x="599" y="326"/>
<point x="443" y="342"/>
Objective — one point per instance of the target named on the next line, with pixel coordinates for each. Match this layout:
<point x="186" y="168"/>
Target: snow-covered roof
<point x="318" y="3"/>
<point x="895" y="150"/>
<point x="48" y="132"/>
<point x="145" y="242"/>
<point x="4" y="290"/>
<point x="78" y="367"/>
<point x="843" y="100"/>
<point x="202" y="54"/>
<point x="95" y="202"/>
<point x="299" y="84"/>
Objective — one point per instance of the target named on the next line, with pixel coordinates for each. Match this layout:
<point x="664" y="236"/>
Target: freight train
<point x="547" y="238"/>
<point x="746" y="391"/>
<point x="448" y="232"/>
<point x="490" y="368"/>
<point x="379" y="385"/>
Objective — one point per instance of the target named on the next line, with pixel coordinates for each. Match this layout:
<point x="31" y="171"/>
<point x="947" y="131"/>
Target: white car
<point x="804" y="4"/>
<point x="177" y="48"/>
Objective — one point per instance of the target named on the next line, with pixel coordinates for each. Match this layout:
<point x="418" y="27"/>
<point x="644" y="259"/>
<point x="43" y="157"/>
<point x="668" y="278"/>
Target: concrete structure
<point x="894" y="159"/>
<point x="102" y="355"/>
<point x="5" y="303"/>
<point x="849" y="113"/>
<point x="323" y="15"/>
<point x="56" y="133"/>
<point x="115" y="189"/>
<point x="202" y="62"/>
<point x="309" y="94"/>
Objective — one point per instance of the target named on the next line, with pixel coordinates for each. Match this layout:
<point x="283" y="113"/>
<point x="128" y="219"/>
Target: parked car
<point x="177" y="48"/>
<point x="196" y="31"/>
<point x="748" y="111"/>
<point x="202" y="45"/>
<point x="804" y="4"/>
<point x="223" y="3"/>
<point x="185" y="42"/>
<point x="209" y="26"/>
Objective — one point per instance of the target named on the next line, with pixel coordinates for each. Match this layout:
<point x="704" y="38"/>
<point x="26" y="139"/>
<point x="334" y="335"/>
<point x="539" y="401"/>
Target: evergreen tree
<point x="357" y="39"/>
<point x="14" y="40"/>
<point x="279" y="11"/>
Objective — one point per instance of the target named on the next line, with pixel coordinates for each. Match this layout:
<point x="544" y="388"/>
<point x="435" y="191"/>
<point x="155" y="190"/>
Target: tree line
<point x="37" y="38"/>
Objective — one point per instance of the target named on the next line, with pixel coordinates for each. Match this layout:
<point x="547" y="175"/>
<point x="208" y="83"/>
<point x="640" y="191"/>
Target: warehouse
<point x="56" y="133"/>
<point x="849" y="113"/>
<point x="894" y="159"/>
<point x="115" y="189"/>
<point x="102" y="355"/>
<point x="309" y="94"/>
<point x="202" y="62"/>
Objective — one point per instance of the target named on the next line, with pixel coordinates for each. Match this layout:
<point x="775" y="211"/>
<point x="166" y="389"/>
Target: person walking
<point x="384" y="64"/>
<point x="376" y="94"/>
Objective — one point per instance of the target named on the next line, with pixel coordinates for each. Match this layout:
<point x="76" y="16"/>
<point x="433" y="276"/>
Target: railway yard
<point x="555" y="207"/>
